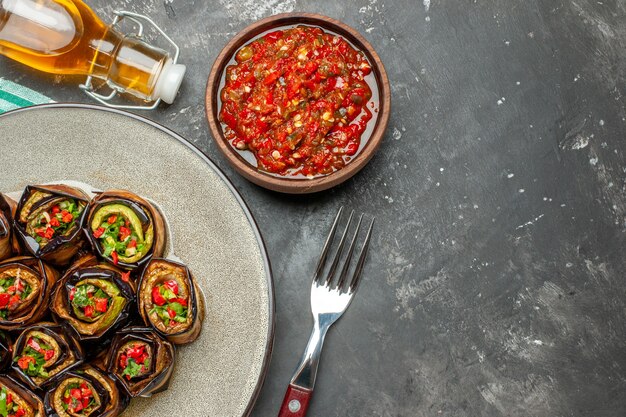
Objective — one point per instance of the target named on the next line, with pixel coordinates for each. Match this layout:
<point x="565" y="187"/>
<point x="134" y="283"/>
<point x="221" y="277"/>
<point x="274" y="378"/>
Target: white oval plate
<point x="212" y="232"/>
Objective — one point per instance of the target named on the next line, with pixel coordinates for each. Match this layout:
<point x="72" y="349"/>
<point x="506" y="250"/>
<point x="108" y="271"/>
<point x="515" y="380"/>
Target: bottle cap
<point x="169" y="81"/>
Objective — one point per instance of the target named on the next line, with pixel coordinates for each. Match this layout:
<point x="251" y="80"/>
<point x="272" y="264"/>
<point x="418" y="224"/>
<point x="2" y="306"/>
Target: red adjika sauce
<point x="297" y="99"/>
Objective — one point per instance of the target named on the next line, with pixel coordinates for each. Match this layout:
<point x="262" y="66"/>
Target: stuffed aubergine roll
<point x="8" y="244"/>
<point x="125" y="229"/>
<point x="43" y="352"/>
<point x="25" y="287"/>
<point x="86" y="392"/>
<point x="93" y="299"/>
<point x="170" y="301"/>
<point x="48" y="222"/>
<point x="141" y="361"/>
<point x="17" y="400"/>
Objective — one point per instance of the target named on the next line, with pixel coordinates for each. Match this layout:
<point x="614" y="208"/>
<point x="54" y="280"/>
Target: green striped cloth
<point x="14" y="96"/>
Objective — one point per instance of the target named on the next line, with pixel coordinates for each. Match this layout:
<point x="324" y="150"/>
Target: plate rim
<point x="246" y="209"/>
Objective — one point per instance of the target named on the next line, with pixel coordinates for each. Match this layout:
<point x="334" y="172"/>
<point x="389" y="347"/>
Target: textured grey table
<point x="495" y="286"/>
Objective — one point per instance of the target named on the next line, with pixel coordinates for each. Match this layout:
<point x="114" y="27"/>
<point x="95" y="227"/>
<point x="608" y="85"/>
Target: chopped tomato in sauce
<point x="297" y="99"/>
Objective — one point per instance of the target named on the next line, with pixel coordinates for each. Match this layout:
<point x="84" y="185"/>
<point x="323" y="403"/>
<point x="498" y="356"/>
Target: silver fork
<point x="328" y="303"/>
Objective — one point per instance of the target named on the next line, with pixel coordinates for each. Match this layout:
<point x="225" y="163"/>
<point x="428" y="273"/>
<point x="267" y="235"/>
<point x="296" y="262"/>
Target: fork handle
<point x="296" y="402"/>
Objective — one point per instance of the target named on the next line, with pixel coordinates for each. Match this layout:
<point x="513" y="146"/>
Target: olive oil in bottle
<point x="67" y="37"/>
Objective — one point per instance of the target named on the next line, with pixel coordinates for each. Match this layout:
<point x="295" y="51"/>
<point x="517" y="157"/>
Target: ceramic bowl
<point x="371" y="138"/>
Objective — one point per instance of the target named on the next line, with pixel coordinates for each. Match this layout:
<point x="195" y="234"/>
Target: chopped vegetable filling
<point x="120" y="234"/>
<point x="12" y="291"/>
<point x="8" y="407"/>
<point x="168" y="306"/>
<point x="59" y="220"/>
<point x="34" y="356"/>
<point x="90" y="300"/>
<point x="79" y="398"/>
<point x="135" y="361"/>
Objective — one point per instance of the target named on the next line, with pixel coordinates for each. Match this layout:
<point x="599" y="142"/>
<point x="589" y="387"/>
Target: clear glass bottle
<point x="67" y="37"/>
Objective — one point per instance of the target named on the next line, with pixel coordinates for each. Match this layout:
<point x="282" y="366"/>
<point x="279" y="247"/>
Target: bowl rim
<point x="286" y="184"/>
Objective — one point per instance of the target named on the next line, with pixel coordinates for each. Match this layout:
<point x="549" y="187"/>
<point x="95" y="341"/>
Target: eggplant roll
<point x="48" y="222"/>
<point x="125" y="229"/>
<point x="17" y="400"/>
<point x="25" y="287"/>
<point x="43" y="352"/>
<point x="85" y="392"/>
<point x="141" y="361"/>
<point x="8" y="245"/>
<point x="93" y="300"/>
<point x="170" y="301"/>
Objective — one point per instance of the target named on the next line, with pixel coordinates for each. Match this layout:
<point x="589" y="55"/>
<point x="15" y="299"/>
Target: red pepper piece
<point x="88" y="311"/>
<point x="49" y="233"/>
<point x="72" y="293"/>
<point x="171" y="285"/>
<point x="271" y="78"/>
<point x="98" y="232"/>
<point x="124" y="233"/>
<point x="132" y="244"/>
<point x="54" y="222"/>
<point x="273" y="36"/>
<point x="137" y="353"/>
<point x="171" y="313"/>
<point x="32" y="343"/>
<point x="48" y="354"/>
<point x="78" y="407"/>
<point x="14" y="301"/>
<point x="126" y="276"/>
<point x="331" y="83"/>
<point x="4" y="299"/>
<point x="75" y="392"/>
<point x="293" y="89"/>
<point x="24" y="361"/>
<point x="123" y="361"/>
<point x="229" y="119"/>
<point x="157" y="298"/>
<point x="310" y="67"/>
<point x="101" y="305"/>
<point x="56" y="209"/>
<point x="181" y="301"/>
<point x="20" y="412"/>
<point x="115" y="257"/>
<point x="66" y="216"/>
<point x="112" y="219"/>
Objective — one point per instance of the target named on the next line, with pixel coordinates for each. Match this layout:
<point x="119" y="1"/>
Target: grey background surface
<point x="495" y="285"/>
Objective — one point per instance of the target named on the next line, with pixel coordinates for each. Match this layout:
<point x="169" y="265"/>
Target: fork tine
<point x="359" y="266"/>
<point x="342" y="243"/>
<point x="329" y="239"/>
<point x="346" y="265"/>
